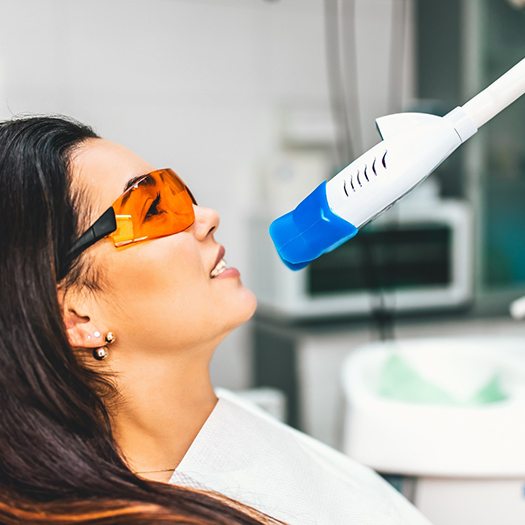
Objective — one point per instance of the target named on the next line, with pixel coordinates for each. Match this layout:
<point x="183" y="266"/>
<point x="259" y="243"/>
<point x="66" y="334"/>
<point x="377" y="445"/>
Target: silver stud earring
<point x="101" y="353"/>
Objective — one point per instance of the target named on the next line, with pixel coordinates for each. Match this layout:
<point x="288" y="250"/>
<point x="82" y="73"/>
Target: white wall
<point x="192" y="84"/>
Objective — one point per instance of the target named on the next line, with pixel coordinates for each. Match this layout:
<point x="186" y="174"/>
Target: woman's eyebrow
<point x="131" y="182"/>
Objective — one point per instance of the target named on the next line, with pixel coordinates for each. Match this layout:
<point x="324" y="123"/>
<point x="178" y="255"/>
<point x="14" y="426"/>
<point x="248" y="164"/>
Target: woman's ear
<point x="81" y="331"/>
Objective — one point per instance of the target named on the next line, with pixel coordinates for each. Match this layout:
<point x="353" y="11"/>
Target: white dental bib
<point x="247" y="455"/>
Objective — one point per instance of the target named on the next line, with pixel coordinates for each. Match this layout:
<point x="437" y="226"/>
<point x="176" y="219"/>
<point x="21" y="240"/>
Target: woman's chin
<point x="244" y="308"/>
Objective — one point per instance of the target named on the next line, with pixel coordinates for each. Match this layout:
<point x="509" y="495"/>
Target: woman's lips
<point x="229" y="272"/>
<point x="220" y="265"/>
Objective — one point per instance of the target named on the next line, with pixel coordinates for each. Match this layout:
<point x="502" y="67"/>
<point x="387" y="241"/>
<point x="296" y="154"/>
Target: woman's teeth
<point x="221" y="266"/>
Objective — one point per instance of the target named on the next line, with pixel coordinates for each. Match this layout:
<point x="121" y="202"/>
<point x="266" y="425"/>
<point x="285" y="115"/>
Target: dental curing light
<point x="413" y="145"/>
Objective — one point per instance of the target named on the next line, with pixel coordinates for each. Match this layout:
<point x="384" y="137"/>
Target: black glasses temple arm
<point x="103" y="226"/>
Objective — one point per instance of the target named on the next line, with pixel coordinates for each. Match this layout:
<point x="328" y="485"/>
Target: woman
<point x="114" y="296"/>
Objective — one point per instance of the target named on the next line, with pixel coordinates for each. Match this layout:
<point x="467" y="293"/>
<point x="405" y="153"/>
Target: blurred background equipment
<point x="424" y="412"/>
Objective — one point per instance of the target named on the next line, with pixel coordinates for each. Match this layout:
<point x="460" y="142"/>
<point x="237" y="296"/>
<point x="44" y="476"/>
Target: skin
<point x="166" y="312"/>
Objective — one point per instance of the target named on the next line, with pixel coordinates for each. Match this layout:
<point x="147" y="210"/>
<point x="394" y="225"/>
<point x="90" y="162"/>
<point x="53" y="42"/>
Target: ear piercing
<point x="102" y="352"/>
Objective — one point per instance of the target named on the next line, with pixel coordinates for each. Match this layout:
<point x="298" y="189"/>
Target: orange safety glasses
<point x="155" y="205"/>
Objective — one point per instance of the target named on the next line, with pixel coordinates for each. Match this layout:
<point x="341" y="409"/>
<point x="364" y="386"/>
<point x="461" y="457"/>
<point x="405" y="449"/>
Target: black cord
<point x="382" y="315"/>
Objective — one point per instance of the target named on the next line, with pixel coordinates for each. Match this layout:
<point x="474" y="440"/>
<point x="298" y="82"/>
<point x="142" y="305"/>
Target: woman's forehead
<point x="104" y="168"/>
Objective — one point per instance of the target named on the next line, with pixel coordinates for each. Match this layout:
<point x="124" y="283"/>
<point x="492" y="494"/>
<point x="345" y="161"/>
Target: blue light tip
<point x="311" y="229"/>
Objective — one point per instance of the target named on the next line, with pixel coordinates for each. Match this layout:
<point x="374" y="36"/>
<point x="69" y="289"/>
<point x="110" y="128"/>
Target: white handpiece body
<point x="413" y="145"/>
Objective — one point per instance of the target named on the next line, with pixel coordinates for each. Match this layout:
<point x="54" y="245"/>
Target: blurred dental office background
<point x="397" y="348"/>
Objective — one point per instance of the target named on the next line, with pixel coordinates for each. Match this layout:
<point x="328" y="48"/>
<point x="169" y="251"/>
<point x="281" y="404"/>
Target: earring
<point x="101" y="353"/>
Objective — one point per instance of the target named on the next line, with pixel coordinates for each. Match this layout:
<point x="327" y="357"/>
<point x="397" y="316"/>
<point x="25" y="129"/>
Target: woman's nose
<point x="206" y="221"/>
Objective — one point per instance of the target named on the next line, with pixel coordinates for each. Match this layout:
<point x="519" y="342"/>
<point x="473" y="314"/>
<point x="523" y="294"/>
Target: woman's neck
<point x="160" y="410"/>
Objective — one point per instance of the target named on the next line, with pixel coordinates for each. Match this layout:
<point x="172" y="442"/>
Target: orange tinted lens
<point x="157" y="205"/>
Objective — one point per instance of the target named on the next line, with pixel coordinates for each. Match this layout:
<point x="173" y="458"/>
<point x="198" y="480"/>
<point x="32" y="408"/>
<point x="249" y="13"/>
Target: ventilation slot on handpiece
<point x="365" y="173"/>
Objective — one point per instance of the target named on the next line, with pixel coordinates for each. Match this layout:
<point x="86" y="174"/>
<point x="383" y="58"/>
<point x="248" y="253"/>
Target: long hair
<point x="59" y="462"/>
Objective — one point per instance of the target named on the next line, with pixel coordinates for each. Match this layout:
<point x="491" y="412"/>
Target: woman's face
<point x="157" y="294"/>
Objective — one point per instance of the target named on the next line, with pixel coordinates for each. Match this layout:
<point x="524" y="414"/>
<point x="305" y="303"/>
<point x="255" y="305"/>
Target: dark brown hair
<point x="58" y="459"/>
